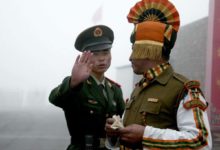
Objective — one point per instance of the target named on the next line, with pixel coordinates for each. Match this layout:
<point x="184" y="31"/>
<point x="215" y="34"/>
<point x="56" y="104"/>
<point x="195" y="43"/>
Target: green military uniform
<point x="86" y="108"/>
<point x="88" y="105"/>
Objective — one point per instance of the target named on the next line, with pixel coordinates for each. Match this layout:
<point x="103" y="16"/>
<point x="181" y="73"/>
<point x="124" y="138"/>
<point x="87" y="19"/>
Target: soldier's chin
<point x="102" y="70"/>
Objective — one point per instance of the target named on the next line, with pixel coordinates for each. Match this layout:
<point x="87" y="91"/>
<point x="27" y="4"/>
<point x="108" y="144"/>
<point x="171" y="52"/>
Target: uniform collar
<point x="160" y="73"/>
<point x="156" y="71"/>
<point x="97" y="81"/>
<point x="165" y="76"/>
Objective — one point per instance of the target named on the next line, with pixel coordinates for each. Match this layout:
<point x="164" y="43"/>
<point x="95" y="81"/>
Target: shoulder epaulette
<point x="180" y="77"/>
<point x="113" y="82"/>
<point x="194" y="91"/>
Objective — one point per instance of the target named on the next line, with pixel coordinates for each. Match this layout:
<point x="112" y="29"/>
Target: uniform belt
<point x="91" y="140"/>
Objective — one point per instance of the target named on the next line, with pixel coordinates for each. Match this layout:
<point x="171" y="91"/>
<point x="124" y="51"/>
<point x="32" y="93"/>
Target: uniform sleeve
<point x="61" y="95"/>
<point x="194" y="130"/>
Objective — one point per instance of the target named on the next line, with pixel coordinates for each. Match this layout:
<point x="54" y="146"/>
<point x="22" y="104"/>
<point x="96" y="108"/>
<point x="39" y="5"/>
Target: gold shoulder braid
<point x="192" y="87"/>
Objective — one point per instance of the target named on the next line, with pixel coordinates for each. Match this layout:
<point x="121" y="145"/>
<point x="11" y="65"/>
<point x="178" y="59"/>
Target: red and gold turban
<point x="156" y="25"/>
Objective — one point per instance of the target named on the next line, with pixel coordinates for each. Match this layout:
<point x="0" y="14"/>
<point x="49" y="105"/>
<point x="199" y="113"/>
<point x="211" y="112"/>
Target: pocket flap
<point x="149" y="106"/>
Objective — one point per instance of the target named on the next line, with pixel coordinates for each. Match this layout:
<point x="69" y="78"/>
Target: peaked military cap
<point x="96" y="38"/>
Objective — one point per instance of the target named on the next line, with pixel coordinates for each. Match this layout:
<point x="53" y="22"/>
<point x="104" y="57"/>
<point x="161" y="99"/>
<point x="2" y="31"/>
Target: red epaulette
<point x="113" y="82"/>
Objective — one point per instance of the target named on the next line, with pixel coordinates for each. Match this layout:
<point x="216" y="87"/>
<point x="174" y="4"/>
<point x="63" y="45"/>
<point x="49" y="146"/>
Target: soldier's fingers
<point x="89" y="58"/>
<point x="110" y="120"/>
<point x="124" y="138"/>
<point x="83" y="57"/>
<point x="123" y="131"/>
<point x="77" y="59"/>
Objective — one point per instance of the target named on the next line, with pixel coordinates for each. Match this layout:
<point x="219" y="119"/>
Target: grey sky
<point x="37" y="36"/>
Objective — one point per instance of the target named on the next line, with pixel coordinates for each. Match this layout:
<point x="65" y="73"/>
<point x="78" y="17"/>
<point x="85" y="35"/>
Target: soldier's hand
<point x="109" y="130"/>
<point x="132" y="134"/>
<point x="82" y="68"/>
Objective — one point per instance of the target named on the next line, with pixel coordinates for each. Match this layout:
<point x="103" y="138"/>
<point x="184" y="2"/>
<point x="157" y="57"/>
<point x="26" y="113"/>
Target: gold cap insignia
<point x="97" y="32"/>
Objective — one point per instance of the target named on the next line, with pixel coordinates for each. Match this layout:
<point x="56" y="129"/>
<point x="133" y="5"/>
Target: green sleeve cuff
<point x="65" y="86"/>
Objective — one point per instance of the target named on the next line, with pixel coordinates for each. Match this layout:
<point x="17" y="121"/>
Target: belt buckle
<point x="92" y="141"/>
<point x="101" y="142"/>
<point x="89" y="141"/>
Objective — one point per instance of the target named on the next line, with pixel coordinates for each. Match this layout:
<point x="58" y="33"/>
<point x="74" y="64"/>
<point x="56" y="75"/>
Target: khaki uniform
<point x="86" y="108"/>
<point x="173" y="111"/>
<point x="156" y="104"/>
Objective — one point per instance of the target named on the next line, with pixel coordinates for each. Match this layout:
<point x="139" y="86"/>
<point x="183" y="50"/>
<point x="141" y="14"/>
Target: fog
<point x="37" y="52"/>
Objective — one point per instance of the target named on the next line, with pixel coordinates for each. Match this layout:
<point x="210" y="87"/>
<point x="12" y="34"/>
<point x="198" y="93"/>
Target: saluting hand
<point x="82" y="68"/>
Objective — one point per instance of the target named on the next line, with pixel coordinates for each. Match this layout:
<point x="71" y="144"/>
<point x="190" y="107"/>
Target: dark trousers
<point x="89" y="142"/>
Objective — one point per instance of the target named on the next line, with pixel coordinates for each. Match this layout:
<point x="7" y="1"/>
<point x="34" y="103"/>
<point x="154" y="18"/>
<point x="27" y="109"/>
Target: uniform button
<point x="91" y="111"/>
<point x="144" y="84"/>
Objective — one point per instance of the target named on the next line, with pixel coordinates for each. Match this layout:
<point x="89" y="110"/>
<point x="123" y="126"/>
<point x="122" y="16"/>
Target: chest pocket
<point x="149" y="112"/>
<point x="93" y="105"/>
<point x="150" y="106"/>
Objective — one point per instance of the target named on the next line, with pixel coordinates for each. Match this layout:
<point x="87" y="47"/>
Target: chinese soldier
<point x="87" y="97"/>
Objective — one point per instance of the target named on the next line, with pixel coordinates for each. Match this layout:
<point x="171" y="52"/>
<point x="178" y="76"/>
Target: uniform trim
<point x="186" y="144"/>
<point x="192" y="88"/>
<point x="180" y="77"/>
<point x="113" y="82"/>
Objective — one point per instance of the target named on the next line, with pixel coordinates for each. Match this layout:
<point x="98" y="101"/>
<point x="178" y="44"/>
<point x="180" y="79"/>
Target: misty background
<point x="37" y="51"/>
<point x="37" y="39"/>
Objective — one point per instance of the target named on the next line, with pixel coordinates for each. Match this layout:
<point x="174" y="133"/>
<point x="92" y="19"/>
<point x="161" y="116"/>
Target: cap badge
<point x="97" y="32"/>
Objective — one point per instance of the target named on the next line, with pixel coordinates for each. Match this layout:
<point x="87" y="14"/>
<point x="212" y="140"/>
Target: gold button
<point x="144" y="84"/>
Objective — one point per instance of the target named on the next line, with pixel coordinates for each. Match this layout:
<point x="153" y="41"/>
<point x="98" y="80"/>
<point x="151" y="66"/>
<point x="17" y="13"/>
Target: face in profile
<point x="138" y="66"/>
<point x="141" y="65"/>
<point x="101" y="61"/>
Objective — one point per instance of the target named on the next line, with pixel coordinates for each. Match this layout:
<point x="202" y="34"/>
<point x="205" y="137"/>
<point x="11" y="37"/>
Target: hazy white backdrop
<point x="37" y="36"/>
